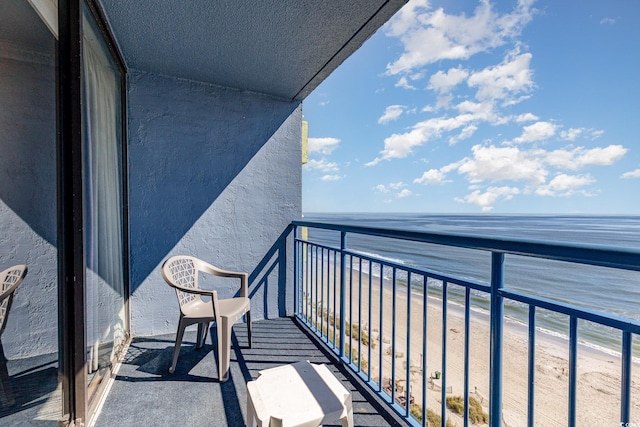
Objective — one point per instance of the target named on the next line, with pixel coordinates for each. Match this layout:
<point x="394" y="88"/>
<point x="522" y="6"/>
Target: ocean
<point x="606" y="290"/>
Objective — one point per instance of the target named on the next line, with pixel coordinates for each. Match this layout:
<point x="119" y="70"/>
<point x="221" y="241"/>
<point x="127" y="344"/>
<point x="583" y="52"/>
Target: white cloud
<point x="443" y="101"/>
<point x="609" y="21"/>
<point x="490" y="163"/>
<point x="432" y="35"/>
<point x="487" y="199"/>
<point x="392" y="186"/>
<point x="631" y="174"/>
<point x="564" y="185"/>
<point x="392" y="112"/>
<point x="431" y="177"/>
<point x="444" y="82"/>
<point x="573" y="133"/>
<point x="321" y="165"/>
<point x="323" y="145"/>
<point x="510" y="165"/>
<point x="403" y="82"/>
<point x="398" y="146"/>
<point x="331" y="177"/>
<point x="404" y="193"/>
<point x="536" y="132"/>
<point x="527" y="117"/>
<point x="513" y="76"/>
<point x="581" y="157"/>
<point x="466" y="133"/>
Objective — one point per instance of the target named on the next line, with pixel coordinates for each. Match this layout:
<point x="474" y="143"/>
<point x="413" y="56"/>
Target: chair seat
<point x="198" y="309"/>
<point x="234" y="308"/>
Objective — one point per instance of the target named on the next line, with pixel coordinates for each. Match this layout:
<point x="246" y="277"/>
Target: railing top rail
<point x="598" y="255"/>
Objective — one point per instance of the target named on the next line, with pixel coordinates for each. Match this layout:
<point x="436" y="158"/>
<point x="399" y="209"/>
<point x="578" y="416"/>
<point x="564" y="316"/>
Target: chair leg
<point x="6" y="390"/>
<point x="199" y="335"/>
<point x="224" y="347"/>
<point x="176" y="350"/>
<point x="203" y="328"/>
<point x="248" y="318"/>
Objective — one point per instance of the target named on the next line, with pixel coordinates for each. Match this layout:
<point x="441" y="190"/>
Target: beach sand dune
<point x="599" y="373"/>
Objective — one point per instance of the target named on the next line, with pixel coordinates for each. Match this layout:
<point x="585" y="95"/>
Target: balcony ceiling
<point x="283" y="48"/>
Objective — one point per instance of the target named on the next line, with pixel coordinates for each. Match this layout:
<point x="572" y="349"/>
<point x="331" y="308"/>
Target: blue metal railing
<point x="324" y="301"/>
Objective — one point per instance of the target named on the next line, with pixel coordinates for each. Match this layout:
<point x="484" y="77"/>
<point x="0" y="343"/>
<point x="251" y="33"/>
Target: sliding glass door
<point x="106" y="320"/>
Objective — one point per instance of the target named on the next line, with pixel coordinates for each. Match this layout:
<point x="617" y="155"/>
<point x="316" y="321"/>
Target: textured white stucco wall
<point x="214" y="173"/>
<point x="28" y="197"/>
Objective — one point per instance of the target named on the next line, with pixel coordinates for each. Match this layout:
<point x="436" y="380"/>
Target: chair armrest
<point x="244" y="277"/>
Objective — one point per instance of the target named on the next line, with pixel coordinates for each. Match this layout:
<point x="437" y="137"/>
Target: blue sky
<point x="483" y="106"/>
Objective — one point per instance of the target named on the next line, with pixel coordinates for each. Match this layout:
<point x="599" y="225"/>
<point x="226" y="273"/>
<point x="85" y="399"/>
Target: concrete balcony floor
<point x="144" y="393"/>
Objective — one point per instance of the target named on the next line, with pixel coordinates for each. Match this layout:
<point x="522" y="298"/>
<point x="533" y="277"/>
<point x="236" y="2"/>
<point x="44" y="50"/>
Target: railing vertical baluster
<point x="350" y="309"/>
<point x="328" y="300"/>
<point x="307" y="305"/>
<point x="359" y="314"/>
<point x="625" y="404"/>
<point x="381" y="308"/>
<point x="335" y="312"/>
<point x="443" y="378"/>
<point x="532" y="365"/>
<point x="343" y="290"/>
<point x="497" y="314"/>
<point x="467" y="315"/>
<point x="325" y="296"/>
<point x="307" y="269"/>
<point x="393" y="335"/>
<point x="408" y="352"/>
<point x="315" y="304"/>
<point x="425" y="302"/>
<point x="303" y="277"/>
<point x="573" y="366"/>
<point x="369" y="324"/>
<point x="310" y="285"/>
<point x="321" y="294"/>
<point x="296" y="270"/>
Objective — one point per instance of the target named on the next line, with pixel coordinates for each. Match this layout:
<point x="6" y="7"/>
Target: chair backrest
<point x="9" y="281"/>
<point x="182" y="271"/>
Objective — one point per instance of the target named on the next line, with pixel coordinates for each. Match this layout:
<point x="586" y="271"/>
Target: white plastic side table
<point x="297" y="395"/>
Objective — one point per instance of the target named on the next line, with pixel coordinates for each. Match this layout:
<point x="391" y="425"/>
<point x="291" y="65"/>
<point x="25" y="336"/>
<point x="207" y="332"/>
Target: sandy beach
<point x="599" y="373"/>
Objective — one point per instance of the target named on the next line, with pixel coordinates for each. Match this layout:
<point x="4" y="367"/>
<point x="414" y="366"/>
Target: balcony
<point x="464" y="366"/>
<point x="508" y="371"/>
<point x="407" y="360"/>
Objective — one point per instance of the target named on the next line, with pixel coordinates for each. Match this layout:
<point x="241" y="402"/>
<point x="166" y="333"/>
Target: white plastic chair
<point x="9" y="281"/>
<point x="181" y="273"/>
